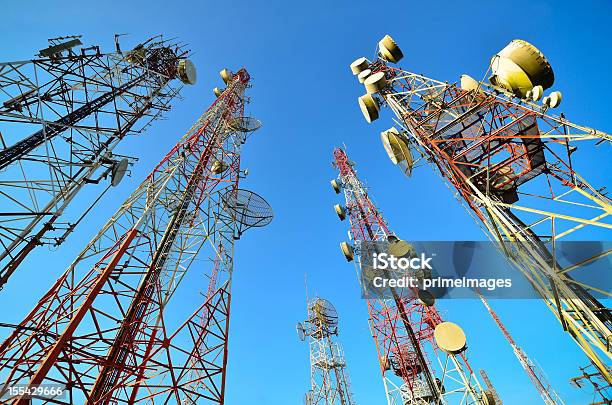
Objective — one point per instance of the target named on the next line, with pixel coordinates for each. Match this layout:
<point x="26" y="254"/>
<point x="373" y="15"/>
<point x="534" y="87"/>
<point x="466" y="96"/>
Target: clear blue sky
<point x="298" y="54"/>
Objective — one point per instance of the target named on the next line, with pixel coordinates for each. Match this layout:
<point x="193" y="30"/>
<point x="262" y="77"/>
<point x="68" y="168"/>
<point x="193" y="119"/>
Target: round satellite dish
<point x="450" y="338"/>
<point x="247" y="208"/>
<point x="553" y="100"/>
<point x="536" y="93"/>
<point x="519" y="67"/>
<point x="243" y="124"/>
<point x="118" y="172"/>
<point x="137" y="55"/>
<point x="187" y="71"/>
<point x="401" y="248"/>
<point x="359" y="65"/>
<point x="217" y="92"/>
<point x="469" y="83"/>
<point x="369" y="107"/>
<point x="324" y="312"/>
<point x="347" y="251"/>
<point x="301" y="331"/>
<point x="362" y="76"/>
<point x="340" y="211"/>
<point x="218" y="167"/>
<point x="385" y="364"/>
<point x="396" y="146"/>
<point x="388" y="50"/>
<point x="426" y="298"/>
<point x="375" y="82"/>
<point x="226" y="75"/>
<point x="368" y="274"/>
<point x="336" y="186"/>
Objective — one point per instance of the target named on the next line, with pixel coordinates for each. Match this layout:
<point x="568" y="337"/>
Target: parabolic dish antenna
<point x="450" y="337"/>
<point x="519" y="67"/>
<point x="401" y="248"/>
<point x="244" y="124"/>
<point x="301" y="331"/>
<point x="187" y="71"/>
<point x="398" y="150"/>
<point x="119" y="171"/>
<point x="324" y="312"/>
<point x="388" y="50"/>
<point x="247" y="208"/>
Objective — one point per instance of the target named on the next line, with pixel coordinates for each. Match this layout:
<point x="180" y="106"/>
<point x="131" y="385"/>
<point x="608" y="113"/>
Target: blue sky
<point x="298" y="54"/>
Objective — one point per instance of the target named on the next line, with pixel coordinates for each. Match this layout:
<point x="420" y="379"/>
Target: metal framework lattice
<point x="103" y="331"/>
<point x="62" y="115"/>
<point x="403" y="327"/>
<point x="535" y="374"/>
<point x="329" y="380"/>
<point x="514" y="168"/>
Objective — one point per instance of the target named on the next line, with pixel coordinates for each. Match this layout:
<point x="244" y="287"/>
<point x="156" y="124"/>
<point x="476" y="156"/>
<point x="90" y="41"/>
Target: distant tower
<point x="535" y="374"/>
<point x="102" y="332"/>
<point x="328" y="373"/>
<point x="62" y="115"/>
<point x="513" y="166"/>
<point x="490" y="387"/>
<point x="405" y="326"/>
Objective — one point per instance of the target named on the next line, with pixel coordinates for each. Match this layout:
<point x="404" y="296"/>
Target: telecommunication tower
<point x="514" y="168"/>
<point x="407" y="324"/>
<point x="490" y="386"/>
<point x="329" y="378"/>
<point x="62" y="114"/>
<point x="535" y="374"/>
<point x="102" y="332"/>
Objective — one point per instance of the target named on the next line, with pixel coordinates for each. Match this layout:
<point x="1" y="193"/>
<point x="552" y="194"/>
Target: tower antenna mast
<point x="535" y="374"/>
<point x="406" y="323"/>
<point x="512" y="165"/>
<point x="101" y="332"/>
<point x="328" y="371"/>
<point x="76" y="104"/>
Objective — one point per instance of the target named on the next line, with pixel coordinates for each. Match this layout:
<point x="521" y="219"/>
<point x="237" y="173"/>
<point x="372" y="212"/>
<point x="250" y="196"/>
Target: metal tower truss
<point x="535" y="373"/>
<point x="102" y="331"/>
<point x="490" y="387"/>
<point x="329" y="378"/>
<point x="403" y="327"/>
<point x="62" y="115"/>
<point x="514" y="166"/>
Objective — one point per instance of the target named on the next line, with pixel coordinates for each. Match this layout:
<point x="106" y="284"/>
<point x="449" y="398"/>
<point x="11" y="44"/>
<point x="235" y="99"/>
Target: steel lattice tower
<point x="329" y="378"/>
<point x="62" y="115"/>
<point x="535" y="374"/>
<point x="403" y="327"/>
<point x="490" y="387"/>
<point x="102" y="331"/>
<point x="512" y="165"/>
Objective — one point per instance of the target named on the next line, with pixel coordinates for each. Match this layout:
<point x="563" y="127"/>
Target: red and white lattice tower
<point x="514" y="167"/>
<point x="62" y="115"/>
<point x="102" y="332"/>
<point x="403" y="326"/>
<point x="535" y="374"/>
